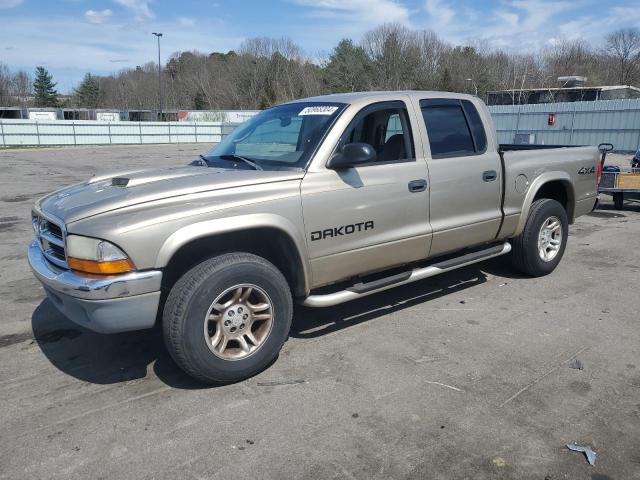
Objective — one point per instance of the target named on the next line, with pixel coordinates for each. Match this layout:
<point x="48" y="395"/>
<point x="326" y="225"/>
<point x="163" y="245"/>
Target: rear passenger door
<point x="465" y="178"/>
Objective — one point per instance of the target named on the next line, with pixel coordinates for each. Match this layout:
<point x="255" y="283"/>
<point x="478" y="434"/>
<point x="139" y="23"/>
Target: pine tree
<point x="349" y="68"/>
<point x="44" y="89"/>
<point x="88" y="93"/>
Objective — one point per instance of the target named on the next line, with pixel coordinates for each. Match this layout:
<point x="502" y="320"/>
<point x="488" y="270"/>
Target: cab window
<point x="384" y="126"/>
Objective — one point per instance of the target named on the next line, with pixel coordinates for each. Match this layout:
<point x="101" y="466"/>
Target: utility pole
<point x="158" y="35"/>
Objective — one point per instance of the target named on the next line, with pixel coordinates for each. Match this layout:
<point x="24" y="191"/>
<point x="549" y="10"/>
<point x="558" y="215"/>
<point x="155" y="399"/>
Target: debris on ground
<point x="590" y="454"/>
<point x="576" y="365"/>
<point x="499" y="462"/>
<point x="280" y="382"/>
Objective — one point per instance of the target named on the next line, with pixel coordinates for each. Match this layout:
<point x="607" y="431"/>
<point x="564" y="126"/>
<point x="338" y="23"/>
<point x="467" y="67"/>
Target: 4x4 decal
<point x="586" y="171"/>
<point x="343" y="230"/>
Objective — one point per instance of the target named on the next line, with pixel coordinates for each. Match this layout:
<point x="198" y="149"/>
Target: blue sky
<point x="71" y="37"/>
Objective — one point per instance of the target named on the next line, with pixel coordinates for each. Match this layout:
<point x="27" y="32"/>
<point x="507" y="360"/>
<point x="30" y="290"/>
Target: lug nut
<point x="239" y="309"/>
<point x="233" y="329"/>
<point x="245" y="316"/>
<point x="242" y="326"/>
<point x="231" y="313"/>
<point x="227" y="323"/>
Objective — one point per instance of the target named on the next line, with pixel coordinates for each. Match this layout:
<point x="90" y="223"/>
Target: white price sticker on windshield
<point x="318" y="110"/>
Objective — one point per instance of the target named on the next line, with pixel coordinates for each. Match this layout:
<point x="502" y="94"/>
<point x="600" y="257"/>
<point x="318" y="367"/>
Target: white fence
<point x="88" y="132"/>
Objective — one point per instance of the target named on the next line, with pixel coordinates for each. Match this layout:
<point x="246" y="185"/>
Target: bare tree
<point x="624" y="46"/>
<point x="5" y="85"/>
<point x="265" y="71"/>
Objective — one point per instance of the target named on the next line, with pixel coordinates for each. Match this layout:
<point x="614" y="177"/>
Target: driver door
<point x="372" y="216"/>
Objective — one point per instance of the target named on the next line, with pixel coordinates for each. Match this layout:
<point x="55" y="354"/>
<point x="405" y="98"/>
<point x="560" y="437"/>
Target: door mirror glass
<point x="352" y="155"/>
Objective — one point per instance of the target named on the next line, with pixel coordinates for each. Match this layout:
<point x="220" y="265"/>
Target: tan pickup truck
<point x="321" y="200"/>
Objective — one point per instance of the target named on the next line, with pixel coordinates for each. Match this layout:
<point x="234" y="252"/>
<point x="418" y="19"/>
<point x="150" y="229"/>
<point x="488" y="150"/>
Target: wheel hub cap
<point x="238" y="322"/>
<point x="550" y="239"/>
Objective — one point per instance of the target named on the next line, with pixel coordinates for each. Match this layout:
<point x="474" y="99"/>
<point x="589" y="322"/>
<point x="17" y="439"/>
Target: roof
<point x="556" y="89"/>
<point x="381" y="96"/>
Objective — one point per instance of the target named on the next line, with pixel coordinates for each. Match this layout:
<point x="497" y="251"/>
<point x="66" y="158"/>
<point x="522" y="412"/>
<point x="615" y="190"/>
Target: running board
<point x="361" y="290"/>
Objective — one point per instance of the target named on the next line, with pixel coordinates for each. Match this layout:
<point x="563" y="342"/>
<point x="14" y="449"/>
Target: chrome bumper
<point x="107" y="305"/>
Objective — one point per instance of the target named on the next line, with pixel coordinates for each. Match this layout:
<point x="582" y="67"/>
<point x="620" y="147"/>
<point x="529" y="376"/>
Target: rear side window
<point x="454" y="128"/>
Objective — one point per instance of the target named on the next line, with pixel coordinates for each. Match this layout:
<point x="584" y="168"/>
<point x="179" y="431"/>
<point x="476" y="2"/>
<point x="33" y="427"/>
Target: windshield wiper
<point x="233" y="157"/>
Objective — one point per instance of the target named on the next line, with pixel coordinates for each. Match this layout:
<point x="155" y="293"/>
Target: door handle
<point x="417" y="185"/>
<point x="489" y="175"/>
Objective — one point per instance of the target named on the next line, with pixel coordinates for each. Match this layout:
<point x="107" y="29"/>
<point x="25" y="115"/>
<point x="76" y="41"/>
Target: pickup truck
<point x="321" y="201"/>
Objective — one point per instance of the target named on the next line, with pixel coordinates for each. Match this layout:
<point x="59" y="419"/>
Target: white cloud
<point x="537" y="13"/>
<point x="370" y="13"/>
<point x="325" y="22"/>
<point x="114" y="46"/>
<point x="98" y="16"/>
<point x="440" y="11"/>
<point x="186" y="22"/>
<point x="5" y="4"/>
<point x="519" y="24"/>
<point x="140" y="8"/>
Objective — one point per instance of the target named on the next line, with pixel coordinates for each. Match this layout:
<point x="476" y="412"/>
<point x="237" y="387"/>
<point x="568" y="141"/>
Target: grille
<point x="57" y="251"/>
<point x="54" y="229"/>
<point x="50" y="236"/>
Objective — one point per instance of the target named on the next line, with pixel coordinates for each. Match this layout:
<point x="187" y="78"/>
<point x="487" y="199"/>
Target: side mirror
<point x="352" y="155"/>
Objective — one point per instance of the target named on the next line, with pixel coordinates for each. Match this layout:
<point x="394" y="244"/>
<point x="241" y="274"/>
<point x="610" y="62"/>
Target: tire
<point x="191" y="341"/>
<point x="618" y="201"/>
<point x="526" y="255"/>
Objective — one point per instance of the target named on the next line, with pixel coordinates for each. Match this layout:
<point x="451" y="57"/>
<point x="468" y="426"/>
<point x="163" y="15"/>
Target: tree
<point x="395" y="51"/>
<point x="21" y="86"/>
<point x="88" y="93"/>
<point x="349" y="68"/>
<point x="44" y="89"/>
<point x="624" y="46"/>
<point x="5" y="84"/>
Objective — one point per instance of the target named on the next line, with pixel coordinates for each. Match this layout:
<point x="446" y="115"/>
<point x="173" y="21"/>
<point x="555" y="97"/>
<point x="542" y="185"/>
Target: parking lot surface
<point x="472" y="374"/>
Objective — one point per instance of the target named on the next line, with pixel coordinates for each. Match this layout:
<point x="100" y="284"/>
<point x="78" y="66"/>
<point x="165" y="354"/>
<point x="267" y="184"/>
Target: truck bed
<point x="527" y="166"/>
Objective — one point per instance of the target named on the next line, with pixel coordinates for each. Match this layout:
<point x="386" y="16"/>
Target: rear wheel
<point x="539" y="248"/>
<point x="227" y="318"/>
<point x="618" y="200"/>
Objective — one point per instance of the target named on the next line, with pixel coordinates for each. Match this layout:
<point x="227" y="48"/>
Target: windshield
<point x="282" y="136"/>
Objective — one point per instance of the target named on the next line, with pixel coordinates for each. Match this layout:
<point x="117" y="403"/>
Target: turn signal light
<point x="101" y="268"/>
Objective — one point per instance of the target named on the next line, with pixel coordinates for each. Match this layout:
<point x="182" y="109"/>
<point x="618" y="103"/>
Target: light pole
<point x="158" y="35"/>
<point x="474" y="84"/>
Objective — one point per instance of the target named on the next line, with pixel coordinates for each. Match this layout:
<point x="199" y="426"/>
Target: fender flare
<point x="534" y="188"/>
<point x="239" y="223"/>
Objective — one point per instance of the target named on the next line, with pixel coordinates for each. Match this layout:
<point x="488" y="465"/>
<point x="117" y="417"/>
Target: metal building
<point x="571" y="123"/>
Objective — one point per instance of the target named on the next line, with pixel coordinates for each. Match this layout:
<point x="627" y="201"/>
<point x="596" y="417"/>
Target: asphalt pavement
<point x="472" y="374"/>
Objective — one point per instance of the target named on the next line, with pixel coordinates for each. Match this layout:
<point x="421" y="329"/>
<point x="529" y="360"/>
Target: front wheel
<point x="539" y="248"/>
<point x="226" y="319"/>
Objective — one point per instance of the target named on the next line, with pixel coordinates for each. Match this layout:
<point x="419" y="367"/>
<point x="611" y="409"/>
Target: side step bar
<point x="361" y="290"/>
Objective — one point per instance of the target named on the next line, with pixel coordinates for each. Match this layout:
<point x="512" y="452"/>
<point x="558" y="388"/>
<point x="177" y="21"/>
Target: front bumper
<point x="111" y="304"/>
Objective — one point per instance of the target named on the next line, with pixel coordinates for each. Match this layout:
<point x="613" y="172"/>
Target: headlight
<point x="91" y="255"/>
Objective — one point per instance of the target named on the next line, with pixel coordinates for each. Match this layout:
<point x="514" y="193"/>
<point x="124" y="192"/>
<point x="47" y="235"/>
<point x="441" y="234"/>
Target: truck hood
<point x="105" y="193"/>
